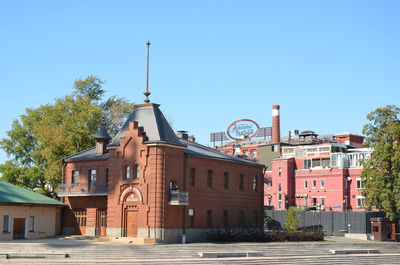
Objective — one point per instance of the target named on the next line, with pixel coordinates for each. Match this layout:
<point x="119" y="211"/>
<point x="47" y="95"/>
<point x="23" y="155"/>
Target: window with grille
<point x="80" y="218"/>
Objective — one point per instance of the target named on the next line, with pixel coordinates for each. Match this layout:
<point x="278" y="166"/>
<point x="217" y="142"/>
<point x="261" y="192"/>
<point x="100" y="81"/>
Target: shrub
<point x="240" y="235"/>
<point x="295" y="236"/>
<point x="292" y="220"/>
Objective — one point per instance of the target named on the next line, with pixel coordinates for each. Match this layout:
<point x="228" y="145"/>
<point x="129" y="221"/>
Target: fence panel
<point x="333" y="223"/>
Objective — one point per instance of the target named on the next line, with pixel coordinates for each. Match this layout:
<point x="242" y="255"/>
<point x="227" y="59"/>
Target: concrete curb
<point x="354" y="251"/>
<point x="21" y="255"/>
<point x="211" y="255"/>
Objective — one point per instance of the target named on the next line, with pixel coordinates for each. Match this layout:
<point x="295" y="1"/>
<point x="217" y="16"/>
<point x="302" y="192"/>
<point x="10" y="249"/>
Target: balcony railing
<point x="178" y="197"/>
<point x="82" y="189"/>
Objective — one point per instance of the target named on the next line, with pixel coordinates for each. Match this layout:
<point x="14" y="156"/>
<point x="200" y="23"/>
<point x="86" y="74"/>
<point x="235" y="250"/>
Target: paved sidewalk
<point x="119" y="251"/>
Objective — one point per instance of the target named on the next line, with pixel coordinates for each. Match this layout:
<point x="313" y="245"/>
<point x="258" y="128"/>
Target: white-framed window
<point x="314" y="201"/>
<point x="360" y="201"/>
<point x="307" y="163"/>
<point x="306" y="184"/>
<point x="127" y="172"/>
<point x="99" y="148"/>
<point x="288" y="152"/>
<point x="279" y="171"/>
<point x="137" y="172"/>
<point x="254" y="154"/>
<point x="32" y="225"/>
<point x="322" y="183"/>
<point x="360" y="183"/>
<point x="6" y="223"/>
<point x="279" y="195"/>
<point x="322" y="200"/>
<point x="314" y="183"/>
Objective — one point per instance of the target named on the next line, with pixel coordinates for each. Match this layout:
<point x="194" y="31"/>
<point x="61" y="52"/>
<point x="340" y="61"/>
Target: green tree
<point x="26" y="168"/>
<point x="381" y="173"/>
<point x="115" y="111"/>
<point x="67" y="127"/>
<point x="90" y="87"/>
<point x="292" y="220"/>
<point x="43" y="136"/>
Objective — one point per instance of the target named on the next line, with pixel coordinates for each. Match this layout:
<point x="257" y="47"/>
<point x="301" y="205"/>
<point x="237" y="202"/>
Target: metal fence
<point x="333" y="223"/>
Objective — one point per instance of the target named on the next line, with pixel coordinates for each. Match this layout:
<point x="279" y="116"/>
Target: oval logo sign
<point x="242" y="129"/>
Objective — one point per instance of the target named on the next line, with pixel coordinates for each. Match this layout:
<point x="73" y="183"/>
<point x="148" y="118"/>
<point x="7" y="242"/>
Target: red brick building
<point x="147" y="182"/>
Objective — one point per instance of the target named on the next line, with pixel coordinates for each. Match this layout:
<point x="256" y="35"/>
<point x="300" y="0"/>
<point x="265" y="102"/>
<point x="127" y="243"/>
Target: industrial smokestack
<point x="276" y="129"/>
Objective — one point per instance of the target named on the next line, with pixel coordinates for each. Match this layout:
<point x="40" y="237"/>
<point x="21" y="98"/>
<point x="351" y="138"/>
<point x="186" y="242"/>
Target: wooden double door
<point x="132" y="221"/>
<point x="101" y="222"/>
<point x="19" y="228"/>
<point x="80" y="226"/>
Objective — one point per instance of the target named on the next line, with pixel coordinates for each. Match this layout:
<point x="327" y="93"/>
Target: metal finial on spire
<point x="147" y="93"/>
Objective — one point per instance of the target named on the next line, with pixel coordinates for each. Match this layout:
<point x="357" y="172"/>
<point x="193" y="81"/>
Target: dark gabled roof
<point x="12" y="194"/>
<point x="157" y="130"/>
<point x="199" y="150"/>
<point x="89" y="154"/>
<point x="154" y="124"/>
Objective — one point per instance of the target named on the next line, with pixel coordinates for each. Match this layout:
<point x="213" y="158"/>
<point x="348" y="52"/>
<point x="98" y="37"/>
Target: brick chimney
<point x="276" y="130"/>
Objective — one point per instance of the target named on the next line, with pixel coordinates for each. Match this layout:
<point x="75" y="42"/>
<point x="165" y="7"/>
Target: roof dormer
<point x="102" y="138"/>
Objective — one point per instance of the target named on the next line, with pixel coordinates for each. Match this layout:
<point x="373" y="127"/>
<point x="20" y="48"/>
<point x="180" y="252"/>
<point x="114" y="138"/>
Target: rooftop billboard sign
<point x="242" y="130"/>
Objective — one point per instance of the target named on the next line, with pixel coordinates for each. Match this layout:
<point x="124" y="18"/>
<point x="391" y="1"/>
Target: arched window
<point x="127" y="172"/>
<point x="137" y="171"/>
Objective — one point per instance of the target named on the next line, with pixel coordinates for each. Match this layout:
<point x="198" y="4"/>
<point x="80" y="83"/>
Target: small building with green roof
<point x="25" y="214"/>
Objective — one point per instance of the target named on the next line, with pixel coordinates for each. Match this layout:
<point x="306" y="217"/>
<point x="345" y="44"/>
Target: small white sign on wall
<point x="191" y="212"/>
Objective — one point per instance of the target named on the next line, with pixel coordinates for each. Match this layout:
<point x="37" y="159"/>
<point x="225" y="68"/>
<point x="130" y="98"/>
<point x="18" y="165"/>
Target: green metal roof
<point x="12" y="194"/>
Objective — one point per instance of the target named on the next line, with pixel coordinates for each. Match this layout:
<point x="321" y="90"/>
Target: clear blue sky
<point x="327" y="63"/>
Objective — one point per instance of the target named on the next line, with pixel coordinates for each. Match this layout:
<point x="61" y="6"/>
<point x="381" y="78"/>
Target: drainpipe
<point x="185" y="170"/>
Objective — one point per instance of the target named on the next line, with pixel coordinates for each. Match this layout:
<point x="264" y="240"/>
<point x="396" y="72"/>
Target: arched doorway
<point x="131" y="201"/>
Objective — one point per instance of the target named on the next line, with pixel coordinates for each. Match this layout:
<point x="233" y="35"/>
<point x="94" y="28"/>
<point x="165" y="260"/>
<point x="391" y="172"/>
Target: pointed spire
<point x="147" y="93"/>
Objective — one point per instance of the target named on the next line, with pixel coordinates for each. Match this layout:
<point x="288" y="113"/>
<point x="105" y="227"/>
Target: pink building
<point x="323" y="173"/>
